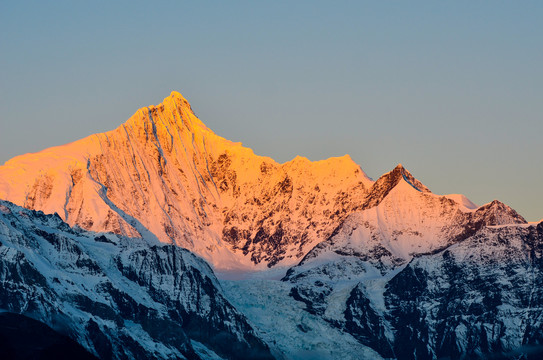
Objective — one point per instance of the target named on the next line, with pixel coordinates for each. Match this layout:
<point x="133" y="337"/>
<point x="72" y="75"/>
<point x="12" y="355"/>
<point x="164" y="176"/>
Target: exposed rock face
<point x="120" y="298"/>
<point x="366" y="323"/>
<point x="481" y="297"/>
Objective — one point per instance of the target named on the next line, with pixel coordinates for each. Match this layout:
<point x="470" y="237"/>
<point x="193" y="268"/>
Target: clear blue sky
<point x="452" y="90"/>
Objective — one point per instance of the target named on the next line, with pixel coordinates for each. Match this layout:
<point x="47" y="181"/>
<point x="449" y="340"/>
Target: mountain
<point x="121" y="298"/>
<point x="401" y="218"/>
<point x="107" y="240"/>
<point x="422" y="276"/>
<point x="481" y="298"/>
<point x="164" y="174"/>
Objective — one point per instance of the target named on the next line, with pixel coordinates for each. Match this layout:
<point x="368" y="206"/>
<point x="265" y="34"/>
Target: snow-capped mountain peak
<point x="389" y="181"/>
<point x="165" y="174"/>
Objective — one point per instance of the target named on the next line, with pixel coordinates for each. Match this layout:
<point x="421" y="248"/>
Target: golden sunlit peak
<point x="346" y="157"/>
<point x="174" y="100"/>
<point x="299" y="158"/>
<point x="178" y="98"/>
<point x="177" y="94"/>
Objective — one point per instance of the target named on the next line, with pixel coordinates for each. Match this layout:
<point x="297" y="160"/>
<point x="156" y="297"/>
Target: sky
<point x="452" y="90"/>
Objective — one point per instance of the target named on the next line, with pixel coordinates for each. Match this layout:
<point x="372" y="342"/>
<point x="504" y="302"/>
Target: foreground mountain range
<point x="107" y="240"/>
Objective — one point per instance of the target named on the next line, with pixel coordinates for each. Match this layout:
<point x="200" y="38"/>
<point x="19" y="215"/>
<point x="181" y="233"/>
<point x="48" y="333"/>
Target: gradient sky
<point x="452" y="90"/>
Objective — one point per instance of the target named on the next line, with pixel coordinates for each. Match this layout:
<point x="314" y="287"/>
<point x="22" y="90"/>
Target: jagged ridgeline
<point x="98" y="242"/>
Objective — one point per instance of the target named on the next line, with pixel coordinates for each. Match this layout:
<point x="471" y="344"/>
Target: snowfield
<point x="289" y="330"/>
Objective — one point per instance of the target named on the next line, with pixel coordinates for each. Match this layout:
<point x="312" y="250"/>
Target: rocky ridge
<point x="120" y="298"/>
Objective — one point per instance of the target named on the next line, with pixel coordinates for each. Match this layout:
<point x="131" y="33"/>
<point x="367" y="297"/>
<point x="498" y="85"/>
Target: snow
<point x="159" y="173"/>
<point x="204" y="352"/>
<point x="462" y="200"/>
<point x="276" y="273"/>
<point x="406" y="222"/>
<point x="165" y="174"/>
<point x="288" y="329"/>
<point x="83" y="271"/>
<point x="166" y="177"/>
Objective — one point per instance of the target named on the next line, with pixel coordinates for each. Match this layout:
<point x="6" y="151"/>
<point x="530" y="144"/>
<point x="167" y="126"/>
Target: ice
<point x="287" y="327"/>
